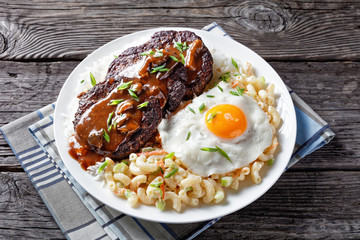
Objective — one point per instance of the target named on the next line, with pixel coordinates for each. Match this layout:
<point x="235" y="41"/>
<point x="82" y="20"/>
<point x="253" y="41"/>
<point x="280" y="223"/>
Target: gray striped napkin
<point x="78" y="214"/>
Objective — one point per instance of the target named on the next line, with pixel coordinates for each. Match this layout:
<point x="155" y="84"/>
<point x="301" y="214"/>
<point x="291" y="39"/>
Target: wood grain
<point x="29" y="86"/>
<point x="23" y="213"/>
<point x="277" y="30"/>
<point x="313" y="209"/>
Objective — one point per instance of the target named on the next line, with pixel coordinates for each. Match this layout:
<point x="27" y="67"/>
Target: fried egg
<point x="218" y="132"/>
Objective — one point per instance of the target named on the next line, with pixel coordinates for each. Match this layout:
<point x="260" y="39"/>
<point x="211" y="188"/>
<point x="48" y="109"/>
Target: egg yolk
<point x="226" y="121"/>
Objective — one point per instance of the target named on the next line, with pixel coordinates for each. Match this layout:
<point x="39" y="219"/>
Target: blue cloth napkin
<point x="79" y="215"/>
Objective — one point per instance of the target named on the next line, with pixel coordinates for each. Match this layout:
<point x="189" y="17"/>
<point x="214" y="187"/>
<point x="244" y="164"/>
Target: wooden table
<point x="315" y="48"/>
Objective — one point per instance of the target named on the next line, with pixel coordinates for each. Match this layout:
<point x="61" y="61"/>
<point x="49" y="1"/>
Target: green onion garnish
<point x="133" y="95"/>
<point x="220" y="88"/>
<point x="239" y="91"/>
<point x="158" y="54"/>
<point x="270" y="162"/>
<point x="160" y="68"/>
<point x="175" y="170"/>
<point x="156" y="184"/>
<point x="82" y="81"/>
<point x="128" y="194"/>
<point x="147" y="53"/>
<point x="202" y="107"/>
<point x="144" y="104"/>
<point x="103" y="166"/>
<point x="188" y="136"/>
<point x="226" y="181"/>
<point x="116" y="101"/>
<point x="211" y="117"/>
<point x="182" y="58"/>
<point x="106" y="136"/>
<point x="219" y="196"/>
<point x="109" y="128"/>
<point x="179" y="46"/>
<point x="188" y="189"/>
<point x="160" y="204"/>
<point x="210" y="96"/>
<point x="174" y="58"/>
<point x="170" y="155"/>
<point x="92" y="80"/>
<point x="225" y="77"/>
<point x="125" y="85"/>
<point x="126" y="162"/>
<point x="234" y="63"/>
<point x="109" y="119"/>
<point x="217" y="149"/>
<point x="115" y="56"/>
<point x="191" y="110"/>
<point x="120" y="167"/>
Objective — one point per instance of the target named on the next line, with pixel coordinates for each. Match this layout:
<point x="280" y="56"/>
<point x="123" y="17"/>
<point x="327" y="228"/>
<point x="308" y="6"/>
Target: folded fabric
<point x="78" y="214"/>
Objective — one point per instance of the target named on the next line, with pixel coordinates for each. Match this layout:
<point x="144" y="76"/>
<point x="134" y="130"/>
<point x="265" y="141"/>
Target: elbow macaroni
<point x="144" y="179"/>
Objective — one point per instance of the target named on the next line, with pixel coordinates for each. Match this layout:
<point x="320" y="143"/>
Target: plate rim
<point x="290" y="108"/>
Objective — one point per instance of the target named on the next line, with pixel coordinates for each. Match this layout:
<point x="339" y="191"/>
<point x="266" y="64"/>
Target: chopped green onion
<point x="161" y="170"/>
<point x="226" y="181"/>
<point x="156" y="184"/>
<point x="82" y="81"/>
<point x="185" y="46"/>
<point x="191" y="110"/>
<point x="239" y="91"/>
<point x="188" y="136"/>
<point x="144" y="104"/>
<point x="133" y="95"/>
<point x="220" y="88"/>
<point x="174" y="58"/>
<point x="237" y="74"/>
<point x="120" y="167"/>
<point x="158" y="54"/>
<point x="106" y="136"/>
<point x="219" y="196"/>
<point x="103" y="166"/>
<point x="222" y="152"/>
<point x="188" y="189"/>
<point x="182" y="58"/>
<point x="147" y="53"/>
<point x="211" y="116"/>
<point x="126" y="162"/>
<point x="160" y="204"/>
<point x="217" y="149"/>
<point x="160" y="68"/>
<point x="171" y="173"/>
<point x="209" y="149"/>
<point x="225" y="77"/>
<point x="210" y="96"/>
<point x="109" y="128"/>
<point x="179" y="46"/>
<point x="115" y="56"/>
<point x="125" y="85"/>
<point x="109" y="119"/>
<point x="262" y="81"/>
<point x="116" y="101"/>
<point x="202" y="107"/>
<point x="170" y="155"/>
<point x="270" y="162"/>
<point x="92" y="80"/>
<point x="234" y="63"/>
<point x="148" y="149"/>
<point x="129" y="194"/>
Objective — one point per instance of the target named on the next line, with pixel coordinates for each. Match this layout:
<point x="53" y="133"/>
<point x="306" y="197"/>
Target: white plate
<point x="235" y="200"/>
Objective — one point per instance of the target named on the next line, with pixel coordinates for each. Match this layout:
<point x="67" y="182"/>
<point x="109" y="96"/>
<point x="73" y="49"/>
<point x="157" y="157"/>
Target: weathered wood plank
<point x="330" y="88"/>
<point x="313" y="209"/>
<point x="277" y="30"/>
<point x="23" y="213"/>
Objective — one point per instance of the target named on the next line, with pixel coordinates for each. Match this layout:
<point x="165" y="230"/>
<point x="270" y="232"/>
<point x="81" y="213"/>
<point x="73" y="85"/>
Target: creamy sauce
<point x="106" y="125"/>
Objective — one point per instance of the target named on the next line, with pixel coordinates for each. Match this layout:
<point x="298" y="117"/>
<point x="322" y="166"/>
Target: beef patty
<point x="170" y="67"/>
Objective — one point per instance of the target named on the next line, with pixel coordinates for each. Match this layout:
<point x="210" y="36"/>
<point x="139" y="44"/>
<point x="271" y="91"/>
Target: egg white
<point x="242" y="150"/>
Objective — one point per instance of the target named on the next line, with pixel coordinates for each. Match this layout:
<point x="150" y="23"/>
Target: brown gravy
<point x="107" y="124"/>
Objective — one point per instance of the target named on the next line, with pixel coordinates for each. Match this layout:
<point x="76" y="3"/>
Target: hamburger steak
<point x="143" y="84"/>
